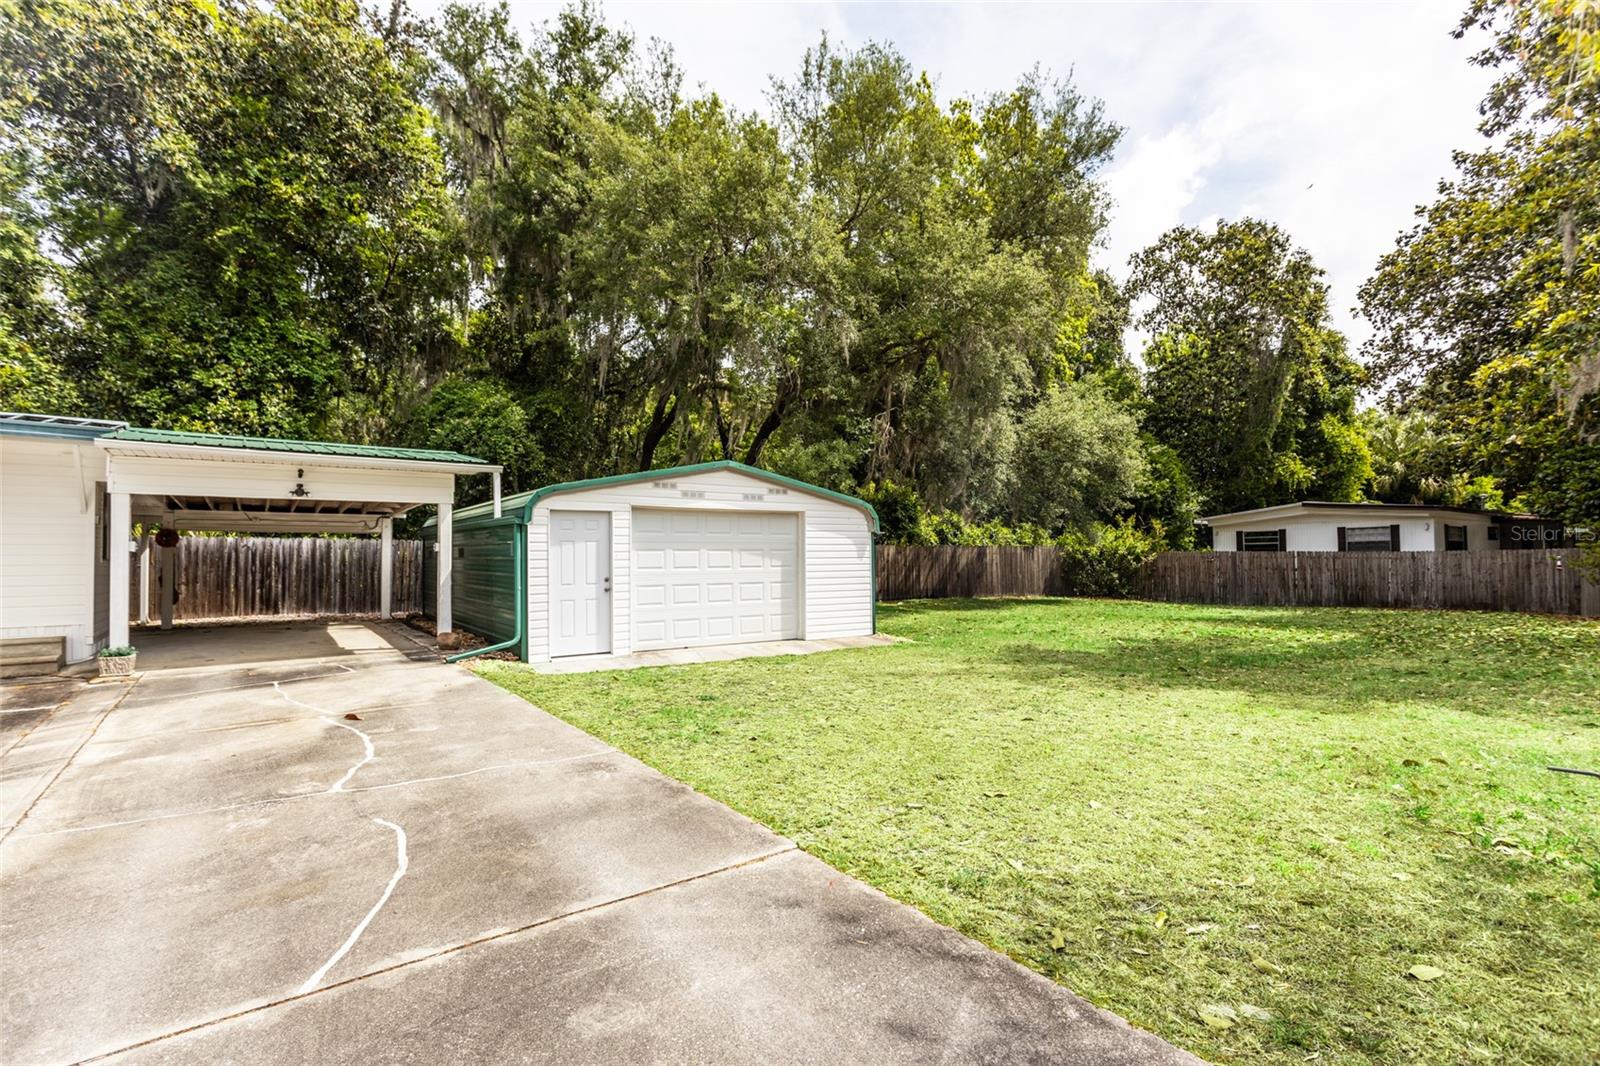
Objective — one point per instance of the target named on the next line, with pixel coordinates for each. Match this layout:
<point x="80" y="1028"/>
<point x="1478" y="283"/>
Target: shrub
<point x="1107" y="561"/>
<point x="118" y="652"/>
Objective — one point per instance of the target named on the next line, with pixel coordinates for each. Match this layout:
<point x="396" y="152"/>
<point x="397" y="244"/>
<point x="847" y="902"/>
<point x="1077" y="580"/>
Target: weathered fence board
<point x="907" y="572"/>
<point x="274" y="577"/>
<point x="266" y="577"/>
<point x="1538" y="582"/>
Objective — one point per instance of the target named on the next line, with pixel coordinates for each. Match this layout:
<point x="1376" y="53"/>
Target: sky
<point x="1334" y="120"/>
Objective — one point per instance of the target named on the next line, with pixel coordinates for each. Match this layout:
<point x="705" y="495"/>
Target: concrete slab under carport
<point x="193" y="865"/>
<point x="199" y="645"/>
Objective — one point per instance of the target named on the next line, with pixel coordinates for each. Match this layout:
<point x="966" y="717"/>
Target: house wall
<point x="50" y="574"/>
<point x="1419" y="532"/>
<point x="835" y="549"/>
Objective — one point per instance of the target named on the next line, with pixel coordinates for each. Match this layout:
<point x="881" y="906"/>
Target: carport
<point x="201" y="482"/>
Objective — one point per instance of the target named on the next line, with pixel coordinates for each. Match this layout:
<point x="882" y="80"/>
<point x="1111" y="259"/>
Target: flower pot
<point x="117" y="665"/>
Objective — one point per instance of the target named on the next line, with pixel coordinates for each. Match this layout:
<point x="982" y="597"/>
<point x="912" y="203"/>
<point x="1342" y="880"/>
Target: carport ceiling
<point x="220" y="514"/>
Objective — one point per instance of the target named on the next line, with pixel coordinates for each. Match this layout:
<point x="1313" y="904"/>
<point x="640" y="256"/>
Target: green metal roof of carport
<point x="136" y="434"/>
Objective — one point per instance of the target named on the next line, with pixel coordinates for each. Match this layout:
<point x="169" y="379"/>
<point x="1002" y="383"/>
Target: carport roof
<point x="135" y="434"/>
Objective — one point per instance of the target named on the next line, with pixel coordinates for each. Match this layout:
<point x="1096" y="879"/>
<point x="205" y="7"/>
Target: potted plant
<point x="119" y="661"/>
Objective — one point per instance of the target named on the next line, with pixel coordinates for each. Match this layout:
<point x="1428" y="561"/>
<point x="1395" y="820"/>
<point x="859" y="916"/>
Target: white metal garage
<point x="712" y="554"/>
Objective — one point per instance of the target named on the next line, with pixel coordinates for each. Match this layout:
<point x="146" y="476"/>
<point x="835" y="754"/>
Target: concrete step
<point x="32" y="656"/>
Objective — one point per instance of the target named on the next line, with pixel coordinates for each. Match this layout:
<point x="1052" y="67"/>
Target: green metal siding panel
<point x="485" y="582"/>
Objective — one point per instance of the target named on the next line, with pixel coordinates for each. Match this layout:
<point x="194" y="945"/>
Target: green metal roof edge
<point x="527" y="501"/>
<point x="144" y="434"/>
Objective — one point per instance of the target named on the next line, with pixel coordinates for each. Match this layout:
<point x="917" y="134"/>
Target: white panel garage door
<point x="713" y="577"/>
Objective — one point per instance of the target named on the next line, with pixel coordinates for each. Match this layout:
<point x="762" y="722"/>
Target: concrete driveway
<point x="346" y="851"/>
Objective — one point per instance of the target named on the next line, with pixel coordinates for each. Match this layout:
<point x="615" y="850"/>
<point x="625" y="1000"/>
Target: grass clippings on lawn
<point x="1264" y="834"/>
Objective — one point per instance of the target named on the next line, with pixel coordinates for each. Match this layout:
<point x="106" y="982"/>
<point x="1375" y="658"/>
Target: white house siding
<point x="48" y="551"/>
<point x="1418" y="532"/>
<point x="835" y="549"/>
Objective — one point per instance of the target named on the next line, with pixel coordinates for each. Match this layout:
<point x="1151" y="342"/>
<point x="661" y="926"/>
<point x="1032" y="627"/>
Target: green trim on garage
<point x="526" y="501"/>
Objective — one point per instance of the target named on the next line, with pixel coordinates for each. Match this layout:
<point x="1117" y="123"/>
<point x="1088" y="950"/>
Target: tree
<point x="31" y="379"/>
<point x="1487" y="313"/>
<point x="251" y="206"/>
<point x="1079" y="460"/>
<point x="963" y="235"/>
<point x="1247" y="379"/>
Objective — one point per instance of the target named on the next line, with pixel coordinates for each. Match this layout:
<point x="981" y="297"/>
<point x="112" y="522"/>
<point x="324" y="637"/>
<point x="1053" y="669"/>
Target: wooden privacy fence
<point x="1538" y="582"/>
<point x="267" y="577"/>
<point x="909" y="572"/>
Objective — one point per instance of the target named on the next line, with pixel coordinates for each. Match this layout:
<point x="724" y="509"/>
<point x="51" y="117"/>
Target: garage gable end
<point x="527" y="501"/>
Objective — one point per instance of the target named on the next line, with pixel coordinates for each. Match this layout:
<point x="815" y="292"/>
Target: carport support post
<point x="144" y="577"/>
<point x="441" y="604"/>
<point x="385" y="568"/>
<point x="119" y="544"/>
<point x="169" y="581"/>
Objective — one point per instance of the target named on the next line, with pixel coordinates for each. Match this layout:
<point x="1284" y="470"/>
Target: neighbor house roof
<point x="526" y="501"/>
<point x="1289" y="510"/>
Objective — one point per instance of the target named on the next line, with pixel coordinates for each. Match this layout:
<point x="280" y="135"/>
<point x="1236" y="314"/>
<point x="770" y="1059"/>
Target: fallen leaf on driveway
<point x="1423" y="972"/>
<point x="352" y="717"/>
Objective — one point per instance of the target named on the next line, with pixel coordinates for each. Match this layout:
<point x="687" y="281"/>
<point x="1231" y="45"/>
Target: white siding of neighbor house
<point x="50" y="573"/>
<point x="835" y="549"/>
<point x="1319" y="533"/>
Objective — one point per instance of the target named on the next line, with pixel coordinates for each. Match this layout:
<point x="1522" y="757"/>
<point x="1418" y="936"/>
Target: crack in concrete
<point x="402" y="862"/>
<point x="271" y="800"/>
<point x="370" y="752"/>
<point x="438" y="953"/>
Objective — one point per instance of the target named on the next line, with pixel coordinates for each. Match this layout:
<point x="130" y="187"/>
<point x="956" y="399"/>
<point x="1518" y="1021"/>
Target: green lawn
<point x="1169" y="807"/>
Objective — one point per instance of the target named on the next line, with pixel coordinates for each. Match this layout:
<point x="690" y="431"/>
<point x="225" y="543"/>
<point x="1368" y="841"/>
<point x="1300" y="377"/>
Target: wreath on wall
<point x="167" y="538"/>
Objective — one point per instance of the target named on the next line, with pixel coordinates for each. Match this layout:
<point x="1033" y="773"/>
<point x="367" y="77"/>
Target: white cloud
<point x="1330" y="119"/>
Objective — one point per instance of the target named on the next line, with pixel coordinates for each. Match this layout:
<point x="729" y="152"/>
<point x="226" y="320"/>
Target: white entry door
<point x="580" y="582"/>
<point x="713" y="577"/>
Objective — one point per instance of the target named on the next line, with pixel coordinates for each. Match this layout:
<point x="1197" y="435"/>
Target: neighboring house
<point x="1314" y="526"/>
<point x="709" y="554"/>
<point x="72" y="490"/>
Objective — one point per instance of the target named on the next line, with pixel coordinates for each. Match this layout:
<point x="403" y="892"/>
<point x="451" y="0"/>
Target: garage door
<point x="713" y="577"/>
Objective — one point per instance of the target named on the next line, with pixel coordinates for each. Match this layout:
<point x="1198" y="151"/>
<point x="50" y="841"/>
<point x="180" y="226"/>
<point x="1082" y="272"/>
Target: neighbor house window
<point x="1263" y="540"/>
<point x="1368" y="539"/>
<point x="1455" y="538"/>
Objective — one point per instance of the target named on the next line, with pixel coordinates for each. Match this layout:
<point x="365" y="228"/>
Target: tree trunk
<point x="768" y="427"/>
<point x="661" y="419"/>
